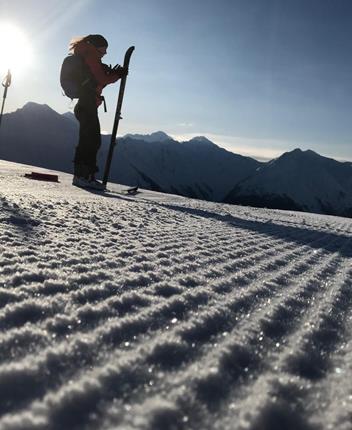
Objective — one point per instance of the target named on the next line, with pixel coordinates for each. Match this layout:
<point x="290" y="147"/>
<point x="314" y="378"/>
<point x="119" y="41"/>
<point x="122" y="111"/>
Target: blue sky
<point x="258" y="77"/>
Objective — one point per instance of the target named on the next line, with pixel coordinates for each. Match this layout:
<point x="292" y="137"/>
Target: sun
<point x="15" y="50"/>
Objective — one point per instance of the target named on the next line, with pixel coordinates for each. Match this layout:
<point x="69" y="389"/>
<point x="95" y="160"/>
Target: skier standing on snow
<point x="91" y="49"/>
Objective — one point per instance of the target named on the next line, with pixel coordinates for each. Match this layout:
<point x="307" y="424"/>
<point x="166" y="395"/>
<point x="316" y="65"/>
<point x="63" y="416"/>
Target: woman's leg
<point x="86" y="112"/>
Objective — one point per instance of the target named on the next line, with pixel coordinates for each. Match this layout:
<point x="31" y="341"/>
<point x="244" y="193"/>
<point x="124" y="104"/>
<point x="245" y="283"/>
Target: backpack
<point x="74" y="75"/>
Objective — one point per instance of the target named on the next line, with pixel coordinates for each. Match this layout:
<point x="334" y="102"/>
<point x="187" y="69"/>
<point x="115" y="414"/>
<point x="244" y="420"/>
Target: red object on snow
<point x="42" y="176"/>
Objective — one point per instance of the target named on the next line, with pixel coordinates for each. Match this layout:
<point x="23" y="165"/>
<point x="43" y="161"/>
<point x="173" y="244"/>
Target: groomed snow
<point x="165" y="313"/>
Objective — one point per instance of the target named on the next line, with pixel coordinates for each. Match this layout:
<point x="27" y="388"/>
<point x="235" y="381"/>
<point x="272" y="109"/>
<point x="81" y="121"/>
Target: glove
<point x="120" y="71"/>
<point x="107" y="68"/>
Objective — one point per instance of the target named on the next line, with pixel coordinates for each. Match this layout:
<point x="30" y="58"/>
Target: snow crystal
<point x="160" y="312"/>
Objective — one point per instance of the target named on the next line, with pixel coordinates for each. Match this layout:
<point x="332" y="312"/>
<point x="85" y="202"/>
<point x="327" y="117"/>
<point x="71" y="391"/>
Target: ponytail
<point x="74" y="42"/>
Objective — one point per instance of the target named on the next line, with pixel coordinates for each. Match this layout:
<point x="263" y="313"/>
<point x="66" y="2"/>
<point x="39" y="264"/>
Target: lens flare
<point x="15" y="50"/>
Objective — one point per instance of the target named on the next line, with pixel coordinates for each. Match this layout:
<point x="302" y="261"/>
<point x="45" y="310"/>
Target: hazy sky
<point x="258" y="77"/>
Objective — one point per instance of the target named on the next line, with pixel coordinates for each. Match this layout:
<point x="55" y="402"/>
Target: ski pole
<point x="117" y="115"/>
<point x="5" y="83"/>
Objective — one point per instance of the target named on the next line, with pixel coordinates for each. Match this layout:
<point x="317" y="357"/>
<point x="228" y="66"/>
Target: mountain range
<point x="297" y="180"/>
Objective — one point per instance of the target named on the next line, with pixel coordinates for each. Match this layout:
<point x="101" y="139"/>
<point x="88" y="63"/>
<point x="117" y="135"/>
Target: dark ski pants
<point x="85" y="160"/>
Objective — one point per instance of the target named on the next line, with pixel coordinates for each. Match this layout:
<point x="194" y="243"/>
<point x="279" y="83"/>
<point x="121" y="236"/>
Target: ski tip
<point x="128" y="55"/>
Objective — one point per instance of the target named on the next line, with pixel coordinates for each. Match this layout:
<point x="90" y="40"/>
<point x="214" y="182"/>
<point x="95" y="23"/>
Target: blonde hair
<point x="74" y="42"/>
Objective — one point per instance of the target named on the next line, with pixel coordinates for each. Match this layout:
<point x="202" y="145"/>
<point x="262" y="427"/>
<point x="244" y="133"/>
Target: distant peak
<point x="298" y="152"/>
<point x="33" y="105"/>
<point x="158" y="136"/>
<point x="201" y="139"/>
<point x="30" y="105"/>
<point x="294" y="154"/>
<point x="296" y="157"/>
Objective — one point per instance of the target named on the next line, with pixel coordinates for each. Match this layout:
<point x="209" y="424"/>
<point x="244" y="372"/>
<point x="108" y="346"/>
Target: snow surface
<point x="161" y="312"/>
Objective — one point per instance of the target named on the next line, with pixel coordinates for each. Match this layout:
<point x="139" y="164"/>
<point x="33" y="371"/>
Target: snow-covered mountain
<point x="196" y="168"/>
<point x="159" y="312"/>
<point x="299" y="180"/>
<point x="158" y="136"/>
<point x="38" y="135"/>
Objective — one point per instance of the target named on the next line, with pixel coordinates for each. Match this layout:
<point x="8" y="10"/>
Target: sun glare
<point x="15" y="50"/>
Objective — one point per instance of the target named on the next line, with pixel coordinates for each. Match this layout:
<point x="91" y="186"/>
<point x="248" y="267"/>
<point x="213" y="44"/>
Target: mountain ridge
<point x="310" y="183"/>
<point x="300" y="180"/>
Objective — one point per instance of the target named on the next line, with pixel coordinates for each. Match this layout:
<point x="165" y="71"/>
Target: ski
<point x="130" y="191"/>
<point x="117" y="115"/>
<point x="125" y="191"/>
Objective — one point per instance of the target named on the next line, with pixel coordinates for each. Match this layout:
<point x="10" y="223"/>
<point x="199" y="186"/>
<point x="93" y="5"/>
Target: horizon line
<point x="233" y="144"/>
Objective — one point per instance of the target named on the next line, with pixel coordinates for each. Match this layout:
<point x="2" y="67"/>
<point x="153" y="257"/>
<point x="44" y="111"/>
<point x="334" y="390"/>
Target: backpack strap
<point x="104" y="103"/>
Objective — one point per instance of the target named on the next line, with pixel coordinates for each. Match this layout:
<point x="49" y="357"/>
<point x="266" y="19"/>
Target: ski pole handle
<point x="7" y="80"/>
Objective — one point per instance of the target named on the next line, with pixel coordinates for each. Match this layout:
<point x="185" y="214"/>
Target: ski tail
<point x="131" y="190"/>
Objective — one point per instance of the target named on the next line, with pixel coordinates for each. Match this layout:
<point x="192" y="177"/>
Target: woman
<point x="91" y="49"/>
